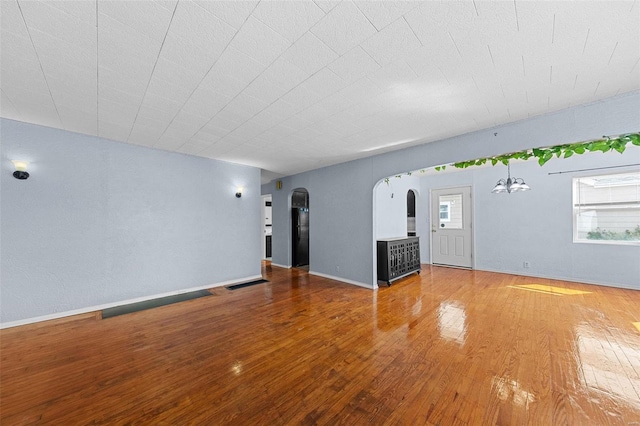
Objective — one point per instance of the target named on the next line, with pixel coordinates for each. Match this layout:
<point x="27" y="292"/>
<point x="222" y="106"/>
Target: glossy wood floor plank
<point x="449" y="346"/>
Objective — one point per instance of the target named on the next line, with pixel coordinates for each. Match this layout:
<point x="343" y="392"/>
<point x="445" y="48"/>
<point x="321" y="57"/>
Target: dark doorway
<point x="300" y="228"/>
<point x="411" y="213"/>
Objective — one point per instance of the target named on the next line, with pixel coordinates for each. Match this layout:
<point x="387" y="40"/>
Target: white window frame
<point x="575" y="209"/>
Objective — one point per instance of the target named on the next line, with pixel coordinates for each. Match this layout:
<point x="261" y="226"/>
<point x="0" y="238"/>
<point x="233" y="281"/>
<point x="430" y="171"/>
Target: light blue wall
<point x="100" y="222"/>
<point x="390" y="206"/>
<point x="341" y="196"/>
<point x="537" y="226"/>
<point x="340" y="225"/>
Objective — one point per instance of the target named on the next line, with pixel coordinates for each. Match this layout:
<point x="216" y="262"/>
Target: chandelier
<point x="510" y="185"/>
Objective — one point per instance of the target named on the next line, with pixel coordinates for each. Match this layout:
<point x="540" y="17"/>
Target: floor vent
<point x="237" y="286"/>
<point x="153" y="303"/>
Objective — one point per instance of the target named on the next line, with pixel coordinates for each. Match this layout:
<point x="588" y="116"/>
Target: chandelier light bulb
<point x="510" y="184"/>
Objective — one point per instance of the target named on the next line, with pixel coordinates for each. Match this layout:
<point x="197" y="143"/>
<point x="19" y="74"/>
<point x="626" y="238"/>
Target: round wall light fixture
<point x="21" y="169"/>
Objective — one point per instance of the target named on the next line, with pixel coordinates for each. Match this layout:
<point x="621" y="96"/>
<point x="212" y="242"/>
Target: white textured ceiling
<point x="290" y="86"/>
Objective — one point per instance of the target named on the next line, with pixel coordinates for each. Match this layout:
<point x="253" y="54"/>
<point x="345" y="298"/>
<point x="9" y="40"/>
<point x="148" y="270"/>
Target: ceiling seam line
<point x="368" y="38"/>
<point x="612" y="53"/>
<point x="205" y="76"/>
<point x="475" y="7"/>
<point x="413" y="31"/>
<point x="308" y="30"/>
<point x="279" y="56"/>
<point x="475" y="82"/>
<point x="444" y="75"/>
<point x="367" y="18"/>
<point x="197" y="4"/>
<point x="322" y="41"/>
<point x="248" y="119"/>
<point x="239" y="93"/>
<point x="266" y="130"/>
<point x="10" y="101"/>
<point x="332" y="115"/>
<point x="365" y="52"/>
<point x="410" y="67"/>
<point x="39" y="63"/>
<point x="316" y="3"/>
<point x="454" y="43"/>
<point x="338" y="112"/>
<point x="585" y="40"/>
<point x="155" y="64"/>
<point x="491" y="54"/>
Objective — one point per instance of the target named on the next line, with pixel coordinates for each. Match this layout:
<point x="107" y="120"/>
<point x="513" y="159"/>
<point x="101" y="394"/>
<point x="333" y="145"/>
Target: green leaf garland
<point x="545" y="154"/>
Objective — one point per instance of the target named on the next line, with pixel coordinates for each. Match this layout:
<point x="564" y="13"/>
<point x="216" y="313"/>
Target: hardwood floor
<point x="448" y="347"/>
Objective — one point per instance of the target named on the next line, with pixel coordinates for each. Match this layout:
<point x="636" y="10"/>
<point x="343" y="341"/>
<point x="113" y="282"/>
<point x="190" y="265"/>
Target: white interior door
<point x="451" y="235"/>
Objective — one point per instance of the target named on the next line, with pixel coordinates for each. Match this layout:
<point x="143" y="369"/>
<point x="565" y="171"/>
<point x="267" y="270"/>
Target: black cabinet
<point x="397" y="258"/>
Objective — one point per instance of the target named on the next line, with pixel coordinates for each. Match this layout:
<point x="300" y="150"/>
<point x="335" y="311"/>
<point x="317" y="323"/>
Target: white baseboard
<point x="58" y="315"/>
<point x="344" y="280"/>
<point x="559" y="278"/>
<point x="551" y="277"/>
<point x="281" y="266"/>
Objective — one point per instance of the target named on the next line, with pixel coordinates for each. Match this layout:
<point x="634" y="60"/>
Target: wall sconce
<point x="21" y="169"/>
<point x="239" y="192"/>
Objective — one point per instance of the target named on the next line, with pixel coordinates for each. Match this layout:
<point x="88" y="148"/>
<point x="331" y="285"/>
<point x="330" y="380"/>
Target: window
<point x="445" y="208"/>
<point x="606" y="209"/>
<point x="450" y="211"/>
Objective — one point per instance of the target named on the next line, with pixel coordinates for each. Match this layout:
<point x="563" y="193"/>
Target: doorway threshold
<point x="468" y="268"/>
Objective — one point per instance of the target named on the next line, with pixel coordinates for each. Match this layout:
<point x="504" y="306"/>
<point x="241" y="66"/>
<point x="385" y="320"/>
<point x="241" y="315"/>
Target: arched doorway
<point x="411" y="213"/>
<point x="300" y="227"/>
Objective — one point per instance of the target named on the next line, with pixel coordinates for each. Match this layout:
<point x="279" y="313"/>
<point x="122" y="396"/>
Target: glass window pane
<point x="450" y="211"/>
<point x="444" y="212"/>
<point x="606" y="208"/>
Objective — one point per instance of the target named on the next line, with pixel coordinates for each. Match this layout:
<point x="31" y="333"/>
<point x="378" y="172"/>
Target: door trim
<point x="472" y="228"/>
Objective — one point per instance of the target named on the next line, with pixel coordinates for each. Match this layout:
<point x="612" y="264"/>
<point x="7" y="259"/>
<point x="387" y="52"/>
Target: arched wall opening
<point x="523" y="233"/>
<point x="390" y="211"/>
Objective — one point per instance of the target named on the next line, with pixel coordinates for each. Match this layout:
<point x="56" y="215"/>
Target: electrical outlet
<point x="526" y="264"/>
<point x="337" y="268"/>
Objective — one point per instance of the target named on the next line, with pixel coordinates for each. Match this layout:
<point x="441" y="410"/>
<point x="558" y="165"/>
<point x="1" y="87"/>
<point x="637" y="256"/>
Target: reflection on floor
<point x="452" y="322"/>
<point x="509" y="390"/>
<point x="448" y="346"/>
<point x="606" y="365"/>
<point x="549" y="289"/>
